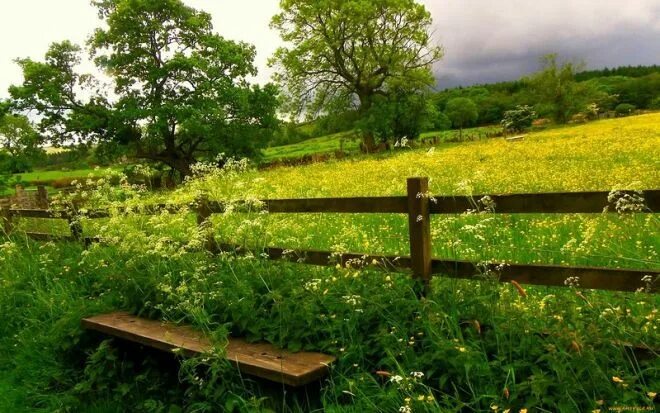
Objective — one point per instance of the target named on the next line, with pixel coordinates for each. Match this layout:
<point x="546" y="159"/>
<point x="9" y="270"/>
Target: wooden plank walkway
<point x="257" y="359"/>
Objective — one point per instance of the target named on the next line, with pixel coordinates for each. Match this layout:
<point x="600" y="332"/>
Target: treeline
<point x="627" y="71"/>
<point x="641" y="89"/>
<point x="627" y="87"/>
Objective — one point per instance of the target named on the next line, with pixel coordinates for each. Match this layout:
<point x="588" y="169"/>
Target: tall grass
<point x="468" y="346"/>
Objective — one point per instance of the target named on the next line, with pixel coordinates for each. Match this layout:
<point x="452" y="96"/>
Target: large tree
<point x="556" y="90"/>
<point x="181" y="92"/>
<point x="346" y="52"/>
<point x="462" y="112"/>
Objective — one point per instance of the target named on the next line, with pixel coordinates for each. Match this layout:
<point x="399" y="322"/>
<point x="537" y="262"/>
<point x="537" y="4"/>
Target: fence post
<point x="75" y="226"/>
<point x="42" y="197"/>
<point x="203" y="212"/>
<point x="419" y="226"/>
<point x="6" y="219"/>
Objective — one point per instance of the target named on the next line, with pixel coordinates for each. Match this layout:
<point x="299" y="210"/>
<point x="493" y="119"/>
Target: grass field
<point x="349" y="143"/>
<point x="469" y="346"/>
<point x="51" y="175"/>
<point x="599" y="156"/>
<point x="596" y="156"/>
<point x="324" y="144"/>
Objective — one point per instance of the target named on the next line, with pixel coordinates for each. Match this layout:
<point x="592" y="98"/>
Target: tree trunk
<point x="182" y="166"/>
<point x="368" y="139"/>
<point x="368" y="142"/>
<point x="178" y="163"/>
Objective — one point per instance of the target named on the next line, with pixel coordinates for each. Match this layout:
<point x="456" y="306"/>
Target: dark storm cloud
<point x="503" y="40"/>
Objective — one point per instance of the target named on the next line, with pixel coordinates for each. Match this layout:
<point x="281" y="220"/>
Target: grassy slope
<point x="30" y="177"/>
<point x="596" y="156"/>
<point x="331" y="143"/>
<point x="323" y="144"/>
<point x="602" y="155"/>
<point x="51" y="175"/>
<point x="609" y="154"/>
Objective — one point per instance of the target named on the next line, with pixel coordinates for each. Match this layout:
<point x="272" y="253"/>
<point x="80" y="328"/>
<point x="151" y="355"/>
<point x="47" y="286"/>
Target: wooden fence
<point x="26" y="198"/>
<point x="419" y="207"/>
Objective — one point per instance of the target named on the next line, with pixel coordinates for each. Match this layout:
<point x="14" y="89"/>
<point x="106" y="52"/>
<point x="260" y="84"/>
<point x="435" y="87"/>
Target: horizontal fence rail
<point x="356" y="205"/>
<point x="550" y="203"/>
<point x="547" y="203"/>
<point x="551" y="275"/>
<point x="419" y="206"/>
<point x="547" y="275"/>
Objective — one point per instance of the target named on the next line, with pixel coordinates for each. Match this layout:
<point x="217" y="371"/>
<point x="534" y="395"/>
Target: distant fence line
<point x="26" y="199"/>
<point x="418" y="205"/>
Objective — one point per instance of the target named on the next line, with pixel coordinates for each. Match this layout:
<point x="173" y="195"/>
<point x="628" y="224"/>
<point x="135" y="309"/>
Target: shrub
<point x="402" y="114"/>
<point x="441" y="122"/>
<point x="579" y="118"/>
<point x="592" y="111"/>
<point x="624" y="109"/>
<point x="541" y="123"/>
<point x="655" y="103"/>
<point x="518" y="119"/>
<point x="60" y="183"/>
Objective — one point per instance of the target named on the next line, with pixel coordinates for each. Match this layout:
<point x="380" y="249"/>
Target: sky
<point x="484" y="41"/>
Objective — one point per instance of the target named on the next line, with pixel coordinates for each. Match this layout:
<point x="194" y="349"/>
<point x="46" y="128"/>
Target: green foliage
<point x="624" y="109"/>
<point x="51" y="89"/>
<point x="491" y="100"/>
<point x="655" y="103"/>
<point x="343" y="52"/>
<point x="640" y="91"/>
<point x="398" y="115"/>
<point x="4" y="182"/>
<point x="67" y="158"/>
<point x="5" y="108"/>
<point x="462" y="112"/>
<point x="519" y="119"/>
<point x="289" y="133"/>
<point x="341" y="121"/>
<point x="606" y="92"/>
<point x="181" y="90"/>
<point x="185" y="85"/>
<point x="441" y="121"/>
<point x="626" y="71"/>
<point x="19" y="144"/>
<point x="559" y="95"/>
<point x="108" y="153"/>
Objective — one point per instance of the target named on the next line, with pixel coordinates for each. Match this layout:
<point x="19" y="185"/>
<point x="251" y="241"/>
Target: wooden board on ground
<point x="257" y="359"/>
